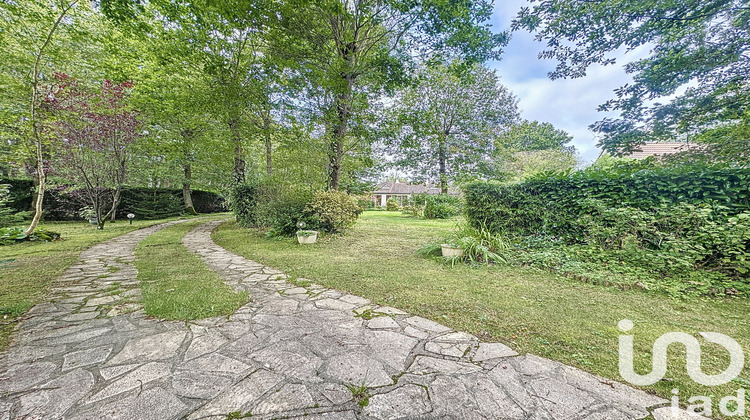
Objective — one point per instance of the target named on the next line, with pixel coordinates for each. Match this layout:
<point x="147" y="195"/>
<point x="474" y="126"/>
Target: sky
<point x="569" y="104"/>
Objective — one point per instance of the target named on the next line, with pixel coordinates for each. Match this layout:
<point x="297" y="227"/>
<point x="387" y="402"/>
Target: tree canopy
<point x="693" y="79"/>
<point x="232" y="92"/>
<point x="448" y="122"/>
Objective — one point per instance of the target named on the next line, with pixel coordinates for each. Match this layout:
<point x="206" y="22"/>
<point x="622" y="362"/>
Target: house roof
<point x="661" y="149"/>
<point x="394" y="187"/>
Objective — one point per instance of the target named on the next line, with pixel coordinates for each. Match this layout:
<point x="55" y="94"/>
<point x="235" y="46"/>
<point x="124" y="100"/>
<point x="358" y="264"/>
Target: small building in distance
<point x="401" y="191"/>
<point x="660" y="149"/>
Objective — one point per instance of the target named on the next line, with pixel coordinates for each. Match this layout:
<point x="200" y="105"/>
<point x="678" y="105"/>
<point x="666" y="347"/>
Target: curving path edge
<point x="292" y="352"/>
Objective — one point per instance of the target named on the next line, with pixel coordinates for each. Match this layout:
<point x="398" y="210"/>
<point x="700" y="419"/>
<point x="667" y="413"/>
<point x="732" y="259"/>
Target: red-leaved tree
<point x="93" y="130"/>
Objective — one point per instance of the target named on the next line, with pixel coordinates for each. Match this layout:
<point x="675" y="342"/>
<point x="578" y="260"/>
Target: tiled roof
<point x="660" y="149"/>
<point x="393" y="187"/>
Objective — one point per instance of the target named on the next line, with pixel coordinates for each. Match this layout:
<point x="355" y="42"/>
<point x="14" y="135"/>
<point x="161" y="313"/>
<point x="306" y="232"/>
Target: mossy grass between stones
<point x="29" y="268"/>
<point x="178" y="285"/>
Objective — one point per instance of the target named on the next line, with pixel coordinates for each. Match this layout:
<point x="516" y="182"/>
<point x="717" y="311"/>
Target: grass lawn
<point x="531" y="311"/>
<point x="25" y="279"/>
<point x="178" y="285"/>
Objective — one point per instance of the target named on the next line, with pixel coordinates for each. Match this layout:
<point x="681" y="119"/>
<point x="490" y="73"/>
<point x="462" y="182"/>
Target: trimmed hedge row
<point x="146" y="203"/>
<point x="551" y="203"/>
<point x="680" y="229"/>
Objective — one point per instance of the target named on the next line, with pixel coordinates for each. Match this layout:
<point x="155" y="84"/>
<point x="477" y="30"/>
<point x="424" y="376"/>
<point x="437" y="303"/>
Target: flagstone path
<point x="312" y="353"/>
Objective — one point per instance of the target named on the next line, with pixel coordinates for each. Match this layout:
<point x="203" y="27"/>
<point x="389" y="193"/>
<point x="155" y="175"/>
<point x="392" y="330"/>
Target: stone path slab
<point x="292" y="352"/>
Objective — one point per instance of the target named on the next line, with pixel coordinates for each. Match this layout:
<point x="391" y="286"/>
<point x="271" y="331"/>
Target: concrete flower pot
<point x="307" y="236"/>
<point x="451" y="250"/>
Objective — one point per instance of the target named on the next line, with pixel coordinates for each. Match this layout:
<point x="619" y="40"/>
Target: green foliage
<point x="445" y="125"/>
<point x="151" y="203"/>
<point x="336" y="210"/>
<point x="12" y="235"/>
<point x="551" y="202"/>
<point x="288" y="212"/>
<point x="8" y="215"/>
<point x="432" y="249"/>
<point x="534" y="136"/>
<point x="364" y="201"/>
<point x="158" y="203"/>
<point x="442" y="206"/>
<point x="63" y="203"/>
<point x="19" y="193"/>
<point x="391" y="205"/>
<point x="414" y="205"/>
<point x="530" y="148"/>
<point x="243" y="201"/>
<point x="360" y="394"/>
<point x="266" y="205"/>
<point x="480" y="245"/>
<point x="683" y="229"/>
<point x="520" y="166"/>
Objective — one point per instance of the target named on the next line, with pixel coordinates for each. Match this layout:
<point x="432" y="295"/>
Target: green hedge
<point x="681" y="229"/>
<point x="158" y="203"/>
<point x="551" y="203"/>
<point x="62" y="203"/>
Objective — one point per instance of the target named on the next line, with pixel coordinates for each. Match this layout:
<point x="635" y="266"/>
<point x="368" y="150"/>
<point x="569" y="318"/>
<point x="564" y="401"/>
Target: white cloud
<point x="568" y="104"/>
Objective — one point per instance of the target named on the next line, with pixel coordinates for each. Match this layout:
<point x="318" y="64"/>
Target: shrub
<point x="243" y="200"/>
<point x="414" y="205"/>
<point x="364" y="201"/>
<point x="441" y="206"/>
<point x="672" y="239"/>
<point x="391" y="205"/>
<point x="289" y="210"/>
<point x="62" y="202"/>
<point x="207" y="201"/>
<point x="481" y="246"/>
<point x="336" y="210"/>
<point x="151" y="203"/>
<point x="266" y="205"/>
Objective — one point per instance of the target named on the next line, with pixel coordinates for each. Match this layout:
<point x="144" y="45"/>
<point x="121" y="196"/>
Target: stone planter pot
<point x="93" y="221"/>
<point x="307" y="236"/>
<point x="451" y="250"/>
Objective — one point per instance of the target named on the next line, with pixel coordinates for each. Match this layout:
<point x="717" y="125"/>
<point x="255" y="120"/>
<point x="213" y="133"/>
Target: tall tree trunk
<point x="186" y="193"/>
<point x="338" y="136"/>
<point x="239" y="155"/>
<point x="113" y="210"/>
<point x="267" y="138"/>
<point x="41" y="176"/>
<point x="187" y="197"/>
<point x="442" y="158"/>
